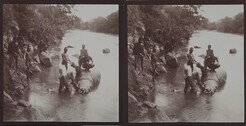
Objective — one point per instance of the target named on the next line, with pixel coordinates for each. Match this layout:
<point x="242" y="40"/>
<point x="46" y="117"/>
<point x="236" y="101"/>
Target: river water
<point x="224" y="106"/>
<point x="102" y="105"/>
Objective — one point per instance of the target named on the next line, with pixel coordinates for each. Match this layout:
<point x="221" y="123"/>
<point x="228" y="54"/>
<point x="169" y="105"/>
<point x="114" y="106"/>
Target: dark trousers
<point x="154" y="65"/>
<point x="87" y="66"/>
<point x="188" y="83"/>
<point x="137" y="58"/>
<point x="15" y="59"/>
<point x="191" y="65"/>
<point x="28" y="66"/>
<point x="80" y="62"/>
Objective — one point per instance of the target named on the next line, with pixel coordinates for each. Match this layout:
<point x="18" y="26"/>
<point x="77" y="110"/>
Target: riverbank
<point x="142" y="106"/>
<point x="16" y="84"/>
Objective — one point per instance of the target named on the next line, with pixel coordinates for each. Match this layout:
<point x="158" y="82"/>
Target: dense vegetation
<point x="165" y="24"/>
<point x="228" y="24"/>
<point x="37" y="23"/>
<point x="109" y="24"/>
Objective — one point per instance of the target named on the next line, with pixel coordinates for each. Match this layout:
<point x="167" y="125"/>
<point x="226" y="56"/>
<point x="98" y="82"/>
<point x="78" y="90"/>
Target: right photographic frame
<point x="185" y="63"/>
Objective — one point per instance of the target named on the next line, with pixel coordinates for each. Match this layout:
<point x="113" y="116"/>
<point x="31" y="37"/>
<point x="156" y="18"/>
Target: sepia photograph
<point x="185" y="63"/>
<point x="61" y="63"/>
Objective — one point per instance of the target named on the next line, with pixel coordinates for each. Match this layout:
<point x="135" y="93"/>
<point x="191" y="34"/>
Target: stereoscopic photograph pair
<point x="61" y="63"/>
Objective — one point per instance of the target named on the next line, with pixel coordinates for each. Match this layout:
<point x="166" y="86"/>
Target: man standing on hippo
<point x="65" y="59"/>
<point x="83" y="51"/>
<point x="191" y="60"/>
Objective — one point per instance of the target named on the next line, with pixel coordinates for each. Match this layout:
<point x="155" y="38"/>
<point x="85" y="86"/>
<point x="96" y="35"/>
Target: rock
<point x="172" y="60"/>
<point x="157" y="115"/>
<point x="175" y="90"/>
<point x="131" y="99"/>
<point x="23" y="103"/>
<point x="106" y="50"/>
<point x="7" y="97"/>
<point x="161" y="69"/>
<point x="36" y="58"/>
<point x="35" y="68"/>
<point x="45" y="59"/>
<point x="163" y="60"/>
<point x="197" y="47"/>
<point x="233" y="51"/>
<point x="149" y="104"/>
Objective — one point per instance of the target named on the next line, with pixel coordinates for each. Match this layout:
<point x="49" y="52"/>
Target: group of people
<point x="210" y="61"/>
<point x="15" y="51"/>
<point x="84" y="59"/>
<point x="143" y="48"/>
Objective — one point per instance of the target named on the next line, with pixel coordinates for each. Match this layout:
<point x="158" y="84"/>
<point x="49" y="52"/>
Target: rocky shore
<point x="141" y="107"/>
<point x="16" y="83"/>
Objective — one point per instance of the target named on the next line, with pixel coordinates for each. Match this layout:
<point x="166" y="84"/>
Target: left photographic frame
<point x="61" y="63"/>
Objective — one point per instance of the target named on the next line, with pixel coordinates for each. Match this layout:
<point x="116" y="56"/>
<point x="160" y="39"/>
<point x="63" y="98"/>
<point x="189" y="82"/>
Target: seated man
<point x="210" y="59"/>
<point x="87" y="62"/>
<point x="213" y="63"/>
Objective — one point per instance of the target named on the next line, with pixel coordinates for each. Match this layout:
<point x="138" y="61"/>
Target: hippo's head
<point x="84" y="86"/>
<point x="210" y="86"/>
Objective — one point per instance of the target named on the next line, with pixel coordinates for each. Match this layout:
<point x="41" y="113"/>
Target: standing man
<point x="83" y="51"/>
<point x="138" y="52"/>
<point x="28" y="60"/>
<point x="191" y="59"/>
<point x="14" y="51"/>
<point x="153" y="59"/>
<point x="65" y="59"/>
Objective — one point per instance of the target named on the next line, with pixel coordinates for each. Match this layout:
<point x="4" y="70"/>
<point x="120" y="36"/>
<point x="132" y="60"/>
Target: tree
<point x="165" y="24"/>
<point x="110" y="24"/>
<point x="37" y="23"/>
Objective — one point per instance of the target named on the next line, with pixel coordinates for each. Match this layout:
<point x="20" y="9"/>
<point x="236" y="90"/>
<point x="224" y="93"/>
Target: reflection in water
<point x="100" y="105"/>
<point x="224" y="106"/>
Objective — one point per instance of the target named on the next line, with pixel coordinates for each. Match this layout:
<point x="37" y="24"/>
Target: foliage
<point x="110" y="24"/>
<point x="228" y="24"/>
<point x="37" y="23"/>
<point x="232" y="25"/>
<point x="172" y="24"/>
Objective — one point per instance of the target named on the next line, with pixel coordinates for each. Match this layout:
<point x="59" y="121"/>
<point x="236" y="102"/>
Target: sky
<point x="217" y="12"/>
<point x="87" y="12"/>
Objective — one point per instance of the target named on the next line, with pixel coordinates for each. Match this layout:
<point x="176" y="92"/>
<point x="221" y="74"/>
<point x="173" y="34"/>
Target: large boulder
<point x="171" y="60"/>
<point x="45" y="59"/>
<point x="197" y="47"/>
<point x="7" y="97"/>
<point x="35" y="68"/>
<point x="233" y="51"/>
<point x="23" y="103"/>
<point x="106" y="50"/>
